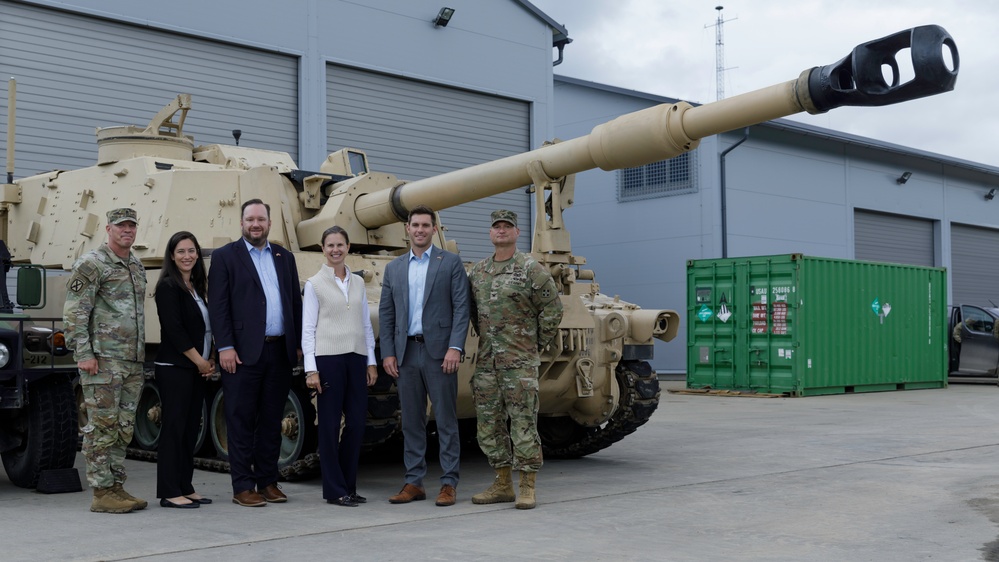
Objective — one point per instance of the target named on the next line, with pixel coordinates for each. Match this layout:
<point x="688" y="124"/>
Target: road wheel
<point x="47" y="431"/>
<point x="203" y="439"/>
<point x="299" y="434"/>
<point x="148" y="417"/>
<point x="217" y="427"/>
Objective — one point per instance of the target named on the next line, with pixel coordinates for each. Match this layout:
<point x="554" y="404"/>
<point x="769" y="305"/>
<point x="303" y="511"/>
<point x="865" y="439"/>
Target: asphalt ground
<point x="891" y="476"/>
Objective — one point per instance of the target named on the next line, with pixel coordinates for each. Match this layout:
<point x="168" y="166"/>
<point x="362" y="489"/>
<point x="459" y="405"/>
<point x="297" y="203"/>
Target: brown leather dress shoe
<point x="447" y="495"/>
<point x="408" y="494"/>
<point x="249" y="498"/>
<point x="273" y="494"/>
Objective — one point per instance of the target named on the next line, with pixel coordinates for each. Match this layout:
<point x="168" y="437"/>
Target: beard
<point x="256" y="238"/>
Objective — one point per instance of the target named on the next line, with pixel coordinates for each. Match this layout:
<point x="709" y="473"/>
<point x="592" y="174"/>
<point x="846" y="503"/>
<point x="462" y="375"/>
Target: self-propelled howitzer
<point x="596" y="384"/>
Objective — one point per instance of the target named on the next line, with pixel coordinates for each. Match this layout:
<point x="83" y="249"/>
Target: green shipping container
<point x="802" y="326"/>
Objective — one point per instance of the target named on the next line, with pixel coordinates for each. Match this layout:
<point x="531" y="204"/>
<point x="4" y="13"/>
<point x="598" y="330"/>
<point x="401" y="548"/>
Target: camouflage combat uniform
<point x="516" y="311"/>
<point x="104" y="320"/>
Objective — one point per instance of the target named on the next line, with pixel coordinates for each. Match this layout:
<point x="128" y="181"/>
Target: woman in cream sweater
<point x="338" y="344"/>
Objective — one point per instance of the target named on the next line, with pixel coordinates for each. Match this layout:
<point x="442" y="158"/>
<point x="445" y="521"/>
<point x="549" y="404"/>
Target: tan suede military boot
<point x="500" y="491"/>
<point x="106" y="501"/>
<point x="526" y="499"/>
<point x="119" y="490"/>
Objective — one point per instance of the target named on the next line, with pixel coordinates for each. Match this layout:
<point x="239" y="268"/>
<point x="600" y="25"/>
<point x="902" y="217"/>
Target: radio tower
<point x="720" y="69"/>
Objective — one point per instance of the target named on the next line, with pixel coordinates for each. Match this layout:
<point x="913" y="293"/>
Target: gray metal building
<point x="311" y="76"/>
<point x="303" y="76"/>
<point x="790" y="188"/>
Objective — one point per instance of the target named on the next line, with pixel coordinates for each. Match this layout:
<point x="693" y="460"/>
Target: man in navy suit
<point x="255" y="306"/>
<point x="423" y="317"/>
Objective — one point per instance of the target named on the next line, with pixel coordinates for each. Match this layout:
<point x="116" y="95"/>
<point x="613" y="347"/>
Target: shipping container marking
<point x="881" y="310"/>
<point x="704" y="313"/>
<point x="724" y="314"/>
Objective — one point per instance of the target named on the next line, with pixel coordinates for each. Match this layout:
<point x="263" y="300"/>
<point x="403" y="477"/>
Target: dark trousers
<point x="255" y="396"/>
<point x="182" y="393"/>
<point x="420" y="376"/>
<point x="345" y="394"/>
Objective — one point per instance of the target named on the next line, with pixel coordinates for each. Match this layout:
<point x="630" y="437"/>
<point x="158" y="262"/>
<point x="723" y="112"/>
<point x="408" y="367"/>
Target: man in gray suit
<point x="423" y="320"/>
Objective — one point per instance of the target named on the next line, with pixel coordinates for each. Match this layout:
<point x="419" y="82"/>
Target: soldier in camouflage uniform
<point x="105" y="327"/>
<point x="516" y="311"/>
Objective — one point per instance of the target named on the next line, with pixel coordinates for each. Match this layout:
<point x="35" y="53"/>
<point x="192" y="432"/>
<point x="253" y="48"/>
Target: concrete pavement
<point x="894" y="476"/>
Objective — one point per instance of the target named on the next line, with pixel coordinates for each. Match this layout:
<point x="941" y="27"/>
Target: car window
<point x="977" y="320"/>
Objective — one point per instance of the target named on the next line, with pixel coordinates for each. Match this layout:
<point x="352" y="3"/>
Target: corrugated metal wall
<point x="416" y="130"/>
<point x="892" y="238"/>
<point x="974" y="258"/>
<point x="75" y="73"/>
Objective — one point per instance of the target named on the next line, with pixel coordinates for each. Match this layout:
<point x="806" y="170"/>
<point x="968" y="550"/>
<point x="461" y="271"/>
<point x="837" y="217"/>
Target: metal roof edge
<point x="559" y="33"/>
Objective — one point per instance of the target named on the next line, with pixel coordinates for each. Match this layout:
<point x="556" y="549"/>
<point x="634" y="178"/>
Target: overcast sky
<point x="663" y="47"/>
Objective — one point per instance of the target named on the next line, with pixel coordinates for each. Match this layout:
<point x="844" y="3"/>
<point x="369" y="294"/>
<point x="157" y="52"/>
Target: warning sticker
<point x="724" y="314"/>
<point x="704" y="313"/>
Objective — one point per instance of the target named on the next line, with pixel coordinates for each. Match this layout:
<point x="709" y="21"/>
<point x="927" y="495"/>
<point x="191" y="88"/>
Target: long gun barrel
<point x="667" y="130"/>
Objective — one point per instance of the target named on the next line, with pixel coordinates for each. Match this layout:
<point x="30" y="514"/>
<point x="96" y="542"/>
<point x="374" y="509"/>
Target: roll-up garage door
<point x="75" y="73"/>
<point x="892" y="238"/>
<point x="974" y="259"/>
<point x="416" y="130"/>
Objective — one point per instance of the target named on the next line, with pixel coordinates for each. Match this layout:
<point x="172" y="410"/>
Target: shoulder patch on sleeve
<point x="84" y="274"/>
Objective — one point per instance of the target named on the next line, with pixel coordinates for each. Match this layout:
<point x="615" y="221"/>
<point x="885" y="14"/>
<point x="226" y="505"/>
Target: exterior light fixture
<point x="443" y="17"/>
<point x="903" y="178"/>
<point x="991" y="194"/>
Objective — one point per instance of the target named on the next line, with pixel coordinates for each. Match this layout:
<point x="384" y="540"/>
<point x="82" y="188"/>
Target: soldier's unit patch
<point x="76" y="285"/>
<point x="545" y="293"/>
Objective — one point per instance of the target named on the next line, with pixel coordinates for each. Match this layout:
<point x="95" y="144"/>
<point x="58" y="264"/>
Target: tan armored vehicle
<point x="596" y="383"/>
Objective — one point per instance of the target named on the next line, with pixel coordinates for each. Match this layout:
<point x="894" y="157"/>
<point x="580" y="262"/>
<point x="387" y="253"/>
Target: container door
<point x="770" y="351"/>
<point x="716" y="326"/>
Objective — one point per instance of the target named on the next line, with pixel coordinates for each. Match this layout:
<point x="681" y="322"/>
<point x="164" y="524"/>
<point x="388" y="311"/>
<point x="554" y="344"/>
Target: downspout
<point x="560" y="45"/>
<point x="724" y="204"/>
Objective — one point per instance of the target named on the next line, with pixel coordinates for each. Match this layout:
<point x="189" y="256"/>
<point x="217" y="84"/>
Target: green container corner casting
<point x="803" y="325"/>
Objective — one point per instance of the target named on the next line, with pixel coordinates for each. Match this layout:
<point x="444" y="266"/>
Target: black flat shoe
<point x="345" y="501"/>
<point x="205" y="501"/>
<point x="167" y="503"/>
<point x="356" y="498"/>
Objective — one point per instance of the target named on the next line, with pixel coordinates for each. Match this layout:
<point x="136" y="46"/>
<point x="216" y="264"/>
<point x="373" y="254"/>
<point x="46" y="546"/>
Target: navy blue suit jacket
<point x="237" y="306"/>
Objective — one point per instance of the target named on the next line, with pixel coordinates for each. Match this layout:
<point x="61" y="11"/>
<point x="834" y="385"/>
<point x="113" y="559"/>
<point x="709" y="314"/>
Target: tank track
<point x="304" y="467"/>
<point x="383" y="427"/>
<point x="639" y="399"/>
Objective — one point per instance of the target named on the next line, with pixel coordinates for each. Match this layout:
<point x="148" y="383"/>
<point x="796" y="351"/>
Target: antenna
<point x="11" y="102"/>
<point x="720" y="69"/>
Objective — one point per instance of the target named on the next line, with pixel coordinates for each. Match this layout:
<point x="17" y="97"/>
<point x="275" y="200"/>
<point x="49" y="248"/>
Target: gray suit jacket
<point x="445" y="306"/>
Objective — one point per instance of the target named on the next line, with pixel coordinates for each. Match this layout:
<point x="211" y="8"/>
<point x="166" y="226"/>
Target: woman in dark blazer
<point x="183" y="362"/>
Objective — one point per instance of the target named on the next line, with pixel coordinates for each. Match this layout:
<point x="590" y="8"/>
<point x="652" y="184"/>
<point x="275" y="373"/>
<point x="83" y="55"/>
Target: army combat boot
<point x="119" y="490"/>
<point x="106" y="501"/>
<point x="526" y="499"/>
<point x="501" y="490"/>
